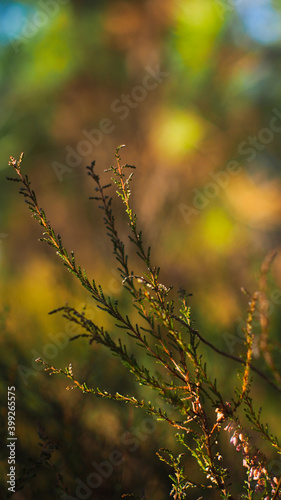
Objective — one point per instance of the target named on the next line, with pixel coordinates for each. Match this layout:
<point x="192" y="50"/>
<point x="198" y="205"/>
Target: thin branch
<point x="227" y="355"/>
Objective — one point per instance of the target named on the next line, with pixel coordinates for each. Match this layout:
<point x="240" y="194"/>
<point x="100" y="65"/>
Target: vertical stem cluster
<point x="192" y="402"/>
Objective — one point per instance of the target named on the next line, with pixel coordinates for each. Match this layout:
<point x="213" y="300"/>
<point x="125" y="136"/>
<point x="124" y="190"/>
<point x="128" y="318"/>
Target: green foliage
<point x="192" y="400"/>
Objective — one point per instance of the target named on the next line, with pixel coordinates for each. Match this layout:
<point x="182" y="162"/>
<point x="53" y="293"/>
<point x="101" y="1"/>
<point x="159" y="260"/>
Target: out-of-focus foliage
<point x="65" y="68"/>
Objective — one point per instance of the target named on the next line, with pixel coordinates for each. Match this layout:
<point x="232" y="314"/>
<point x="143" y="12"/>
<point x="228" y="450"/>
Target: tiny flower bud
<point x="234" y="440"/>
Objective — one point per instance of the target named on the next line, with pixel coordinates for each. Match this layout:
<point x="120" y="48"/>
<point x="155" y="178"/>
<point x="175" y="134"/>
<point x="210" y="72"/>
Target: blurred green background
<point x="189" y="86"/>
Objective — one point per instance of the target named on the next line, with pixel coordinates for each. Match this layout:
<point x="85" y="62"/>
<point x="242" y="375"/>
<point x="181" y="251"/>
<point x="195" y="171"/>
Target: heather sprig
<point x="191" y="400"/>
